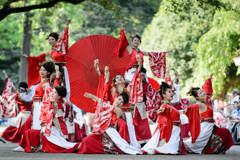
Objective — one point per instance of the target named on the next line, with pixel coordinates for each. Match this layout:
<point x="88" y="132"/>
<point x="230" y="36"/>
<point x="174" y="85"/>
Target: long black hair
<point x="125" y="97"/>
<point x="62" y="91"/>
<point x="49" y="66"/>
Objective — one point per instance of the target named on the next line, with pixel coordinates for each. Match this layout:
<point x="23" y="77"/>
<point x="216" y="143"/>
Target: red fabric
<point x="225" y="136"/>
<point x="207" y="87"/>
<point x="49" y="147"/>
<point x="101" y="89"/>
<point x="62" y="45"/>
<point x="103" y="115"/>
<point x="31" y="138"/>
<point x="11" y="134"/>
<point x="122" y="45"/>
<point x="184" y="130"/>
<point x="194" y="121"/>
<point x="23" y="106"/>
<point x="122" y="129"/>
<point x="67" y="109"/>
<point x="63" y="126"/>
<point x="26" y="126"/>
<point x="157" y="61"/>
<point x="183" y="103"/>
<point x="142" y="130"/>
<point x="57" y="57"/>
<point x="47" y="115"/>
<point x="136" y="93"/>
<point x="208" y="113"/>
<point x="80" y="133"/>
<point x="165" y="122"/>
<point x="152" y="103"/>
<point x="33" y="69"/>
<point x="87" y="146"/>
<point x="39" y="92"/>
<point x="8" y="87"/>
<point x="154" y="83"/>
<point x="133" y="58"/>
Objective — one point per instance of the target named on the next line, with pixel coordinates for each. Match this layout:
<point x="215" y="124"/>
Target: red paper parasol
<point x="154" y="83"/>
<point x="80" y="64"/>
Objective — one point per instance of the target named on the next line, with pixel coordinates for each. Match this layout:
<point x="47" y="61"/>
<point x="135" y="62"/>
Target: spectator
<point x="235" y="95"/>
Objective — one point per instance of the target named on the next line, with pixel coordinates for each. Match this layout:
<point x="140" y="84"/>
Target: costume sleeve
<point x="56" y="83"/>
<point x="33" y="69"/>
<point x="122" y="45"/>
<point x="62" y="45"/>
<point x="157" y="61"/>
<point x="207" y="87"/>
<point x="194" y="121"/>
<point x="100" y="89"/>
<point x="165" y="122"/>
<point x="136" y="93"/>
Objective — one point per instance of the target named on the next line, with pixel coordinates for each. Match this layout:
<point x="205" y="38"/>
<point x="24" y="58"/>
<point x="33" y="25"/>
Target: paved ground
<point x="7" y="154"/>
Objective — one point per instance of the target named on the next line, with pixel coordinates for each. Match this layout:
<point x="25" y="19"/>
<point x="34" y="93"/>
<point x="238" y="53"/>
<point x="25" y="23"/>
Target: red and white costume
<point x="206" y="138"/>
<point x="11" y="133"/>
<point x="106" y="139"/>
<point x="167" y="128"/>
<point x="49" y="138"/>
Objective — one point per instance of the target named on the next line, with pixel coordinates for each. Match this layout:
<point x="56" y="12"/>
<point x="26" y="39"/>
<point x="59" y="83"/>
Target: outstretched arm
<point x="129" y="49"/>
<point x="145" y="53"/>
<point x="89" y="95"/>
<point x="96" y="66"/>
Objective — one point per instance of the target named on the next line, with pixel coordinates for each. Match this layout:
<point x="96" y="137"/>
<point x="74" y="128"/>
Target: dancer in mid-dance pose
<point x="206" y="138"/>
<point x="166" y="139"/>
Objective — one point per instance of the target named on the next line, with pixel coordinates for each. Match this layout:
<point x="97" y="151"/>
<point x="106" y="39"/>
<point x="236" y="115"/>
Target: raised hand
<point x="107" y="74"/>
<point x="58" y="73"/>
<point x="88" y="95"/>
<point x="5" y="74"/>
<point x="121" y="24"/>
<point x="66" y="22"/>
<point x="24" y="55"/>
<point x="161" y="110"/>
<point x="169" y="51"/>
<point x="211" y="75"/>
<point x="167" y="73"/>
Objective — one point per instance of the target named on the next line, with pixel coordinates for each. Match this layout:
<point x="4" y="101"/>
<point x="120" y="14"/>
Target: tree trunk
<point x="26" y="47"/>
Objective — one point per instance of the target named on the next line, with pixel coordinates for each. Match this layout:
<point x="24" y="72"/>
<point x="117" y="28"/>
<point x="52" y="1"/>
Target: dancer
<point x="142" y="129"/>
<point x="23" y="99"/>
<point x="206" y="138"/>
<point x="166" y="139"/>
<point x="123" y="45"/>
<point x="49" y="138"/>
<point x="105" y="138"/>
<point x="46" y="69"/>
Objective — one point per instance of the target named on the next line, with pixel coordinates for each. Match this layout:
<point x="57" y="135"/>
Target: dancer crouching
<point x="106" y="139"/>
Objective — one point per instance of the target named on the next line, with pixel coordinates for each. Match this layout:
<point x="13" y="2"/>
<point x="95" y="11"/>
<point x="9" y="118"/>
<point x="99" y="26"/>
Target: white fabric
<point x="171" y="147"/>
<point x="59" y="113"/>
<point x="10" y="121"/>
<point x="152" y="143"/>
<point x="21" y="118"/>
<point x="70" y="126"/>
<point x="183" y="118"/>
<point x="58" y="140"/>
<point x="121" y="143"/>
<point x="79" y="116"/>
<point x="201" y="142"/>
<point x="27" y="96"/>
<point x="173" y="144"/>
<point x="36" y="115"/>
<point x="176" y="95"/>
<point x="80" y="123"/>
<point x="129" y="74"/>
<point x="67" y="82"/>
<point x="235" y="99"/>
<point x="142" y="110"/>
<point x="131" y="129"/>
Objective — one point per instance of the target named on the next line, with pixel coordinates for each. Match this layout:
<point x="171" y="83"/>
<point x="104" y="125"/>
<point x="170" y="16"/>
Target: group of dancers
<point x="47" y="121"/>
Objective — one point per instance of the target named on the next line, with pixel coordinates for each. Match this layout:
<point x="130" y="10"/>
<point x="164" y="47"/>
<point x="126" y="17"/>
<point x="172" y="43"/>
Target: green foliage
<point x="180" y="31"/>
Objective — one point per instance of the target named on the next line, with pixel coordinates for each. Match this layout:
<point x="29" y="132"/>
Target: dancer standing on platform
<point x="23" y="99"/>
<point x="133" y="51"/>
<point x="206" y="138"/>
<point x="166" y="139"/>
